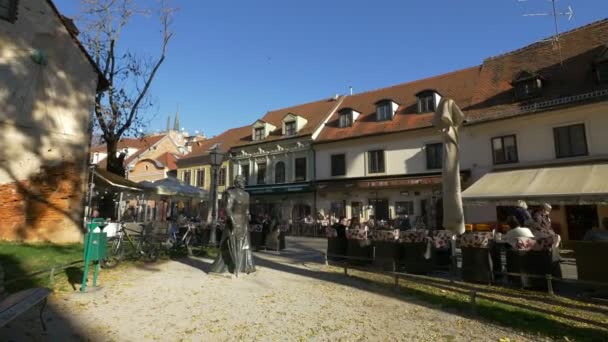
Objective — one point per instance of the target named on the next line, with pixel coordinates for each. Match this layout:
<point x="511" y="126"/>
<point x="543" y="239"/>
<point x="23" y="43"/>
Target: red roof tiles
<point x="314" y="113"/>
<point x="485" y="92"/>
<point x="458" y="85"/>
<point x="169" y="160"/>
<point x="226" y="140"/>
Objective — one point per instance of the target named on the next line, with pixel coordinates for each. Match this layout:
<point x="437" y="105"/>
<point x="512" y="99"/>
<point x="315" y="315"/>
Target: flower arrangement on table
<point x="441" y="239"/>
<point x="385" y="235"/>
<point x="356" y="234"/>
<point x="413" y="236"/>
<point x="476" y="239"/>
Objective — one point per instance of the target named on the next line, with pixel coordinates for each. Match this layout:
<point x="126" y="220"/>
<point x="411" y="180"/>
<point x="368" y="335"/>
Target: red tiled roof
<point x="226" y="140"/>
<point x="458" y="85"/>
<point x="570" y="74"/>
<point x="314" y="113"/>
<point x="485" y="92"/>
<point x="169" y="160"/>
<point x="141" y="144"/>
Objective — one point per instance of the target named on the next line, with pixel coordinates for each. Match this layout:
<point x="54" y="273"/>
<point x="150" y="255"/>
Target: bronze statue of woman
<point x="235" y="252"/>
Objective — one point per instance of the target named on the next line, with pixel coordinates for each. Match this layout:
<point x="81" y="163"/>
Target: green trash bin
<point x="95" y="247"/>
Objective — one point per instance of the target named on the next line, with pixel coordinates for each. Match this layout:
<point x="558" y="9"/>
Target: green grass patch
<point x="536" y="314"/>
<point x="20" y="261"/>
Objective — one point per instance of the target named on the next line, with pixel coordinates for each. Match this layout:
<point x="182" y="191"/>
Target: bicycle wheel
<point x="149" y="251"/>
<point x="189" y="242"/>
<point x="115" y="253"/>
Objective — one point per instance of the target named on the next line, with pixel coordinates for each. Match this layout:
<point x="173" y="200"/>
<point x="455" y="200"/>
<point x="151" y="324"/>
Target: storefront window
<point x="404" y="208"/>
<point x="337" y="209"/>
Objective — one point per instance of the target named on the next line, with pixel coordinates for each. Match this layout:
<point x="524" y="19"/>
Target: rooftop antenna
<point x="569" y="13"/>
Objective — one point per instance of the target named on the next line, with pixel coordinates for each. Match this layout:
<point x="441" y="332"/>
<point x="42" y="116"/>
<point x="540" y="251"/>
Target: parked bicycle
<point x="130" y="242"/>
<point x="184" y="237"/>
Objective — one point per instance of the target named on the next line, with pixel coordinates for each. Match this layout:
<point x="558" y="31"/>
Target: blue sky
<point x="231" y="61"/>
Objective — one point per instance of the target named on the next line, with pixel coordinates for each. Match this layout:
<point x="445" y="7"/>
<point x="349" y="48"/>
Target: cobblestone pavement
<point x="289" y="298"/>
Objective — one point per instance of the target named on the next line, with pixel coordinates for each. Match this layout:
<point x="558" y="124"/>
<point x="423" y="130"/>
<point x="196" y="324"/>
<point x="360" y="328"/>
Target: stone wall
<point x="46" y="107"/>
<point x="46" y="207"/>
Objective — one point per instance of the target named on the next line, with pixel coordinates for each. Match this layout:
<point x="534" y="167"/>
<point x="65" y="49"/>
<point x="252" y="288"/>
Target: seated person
<point x="515" y="231"/>
<point x="308" y="219"/>
<point x="403" y="223"/>
<point x="522" y="214"/>
<point x="598" y="233"/>
<point x="371" y="223"/>
<point x="340" y="229"/>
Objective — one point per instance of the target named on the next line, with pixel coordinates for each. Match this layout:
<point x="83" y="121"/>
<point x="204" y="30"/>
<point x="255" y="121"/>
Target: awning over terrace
<point x="103" y="178"/>
<point x="575" y="184"/>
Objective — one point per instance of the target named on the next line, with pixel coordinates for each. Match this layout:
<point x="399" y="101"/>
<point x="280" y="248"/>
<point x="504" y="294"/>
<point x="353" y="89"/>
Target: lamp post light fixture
<point x="92" y="166"/>
<point x="216" y="157"/>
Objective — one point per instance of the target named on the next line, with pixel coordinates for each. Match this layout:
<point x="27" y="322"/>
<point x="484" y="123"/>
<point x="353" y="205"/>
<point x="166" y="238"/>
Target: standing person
<point x="542" y="221"/>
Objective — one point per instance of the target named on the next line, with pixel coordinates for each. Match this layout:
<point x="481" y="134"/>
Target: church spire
<point x="176" y="120"/>
<point x="168" y="122"/>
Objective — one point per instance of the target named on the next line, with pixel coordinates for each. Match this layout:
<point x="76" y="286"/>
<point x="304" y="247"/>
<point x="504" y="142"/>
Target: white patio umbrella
<point x="448" y="118"/>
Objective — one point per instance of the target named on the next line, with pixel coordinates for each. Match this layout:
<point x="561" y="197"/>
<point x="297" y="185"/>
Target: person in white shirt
<point x="515" y="231"/>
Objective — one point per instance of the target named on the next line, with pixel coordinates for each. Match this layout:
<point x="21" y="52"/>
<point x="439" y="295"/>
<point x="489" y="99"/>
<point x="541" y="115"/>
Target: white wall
<point x="535" y="144"/>
<point x="404" y="153"/>
<point x="288" y="154"/>
<point x="534" y="133"/>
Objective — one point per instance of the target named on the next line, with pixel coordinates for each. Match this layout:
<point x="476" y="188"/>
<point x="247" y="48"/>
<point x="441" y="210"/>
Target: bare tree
<point x="118" y="110"/>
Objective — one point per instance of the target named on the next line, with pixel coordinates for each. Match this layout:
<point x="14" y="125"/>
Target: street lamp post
<point x="91" y="189"/>
<point x="216" y="157"/>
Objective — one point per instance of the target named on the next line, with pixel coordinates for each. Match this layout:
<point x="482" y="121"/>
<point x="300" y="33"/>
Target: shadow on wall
<point x="44" y="132"/>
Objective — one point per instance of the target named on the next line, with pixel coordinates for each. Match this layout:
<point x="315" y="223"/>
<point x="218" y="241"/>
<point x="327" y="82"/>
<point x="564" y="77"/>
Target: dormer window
<point x="292" y="123"/>
<point x="385" y="110"/>
<point x="346" y="119"/>
<point x="290" y="128"/>
<point x="526" y="85"/>
<point x="600" y="66"/>
<point x="259" y="133"/>
<point x="427" y="101"/>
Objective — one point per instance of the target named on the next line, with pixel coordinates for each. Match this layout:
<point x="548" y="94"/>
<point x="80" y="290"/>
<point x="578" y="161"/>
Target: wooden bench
<point x="16" y="304"/>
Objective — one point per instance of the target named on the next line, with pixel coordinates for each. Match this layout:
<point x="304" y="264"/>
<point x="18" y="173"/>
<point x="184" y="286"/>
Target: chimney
<point x="350" y="89"/>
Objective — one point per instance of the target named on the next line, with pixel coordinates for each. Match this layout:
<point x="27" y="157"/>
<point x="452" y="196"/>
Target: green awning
<point x="279" y="189"/>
